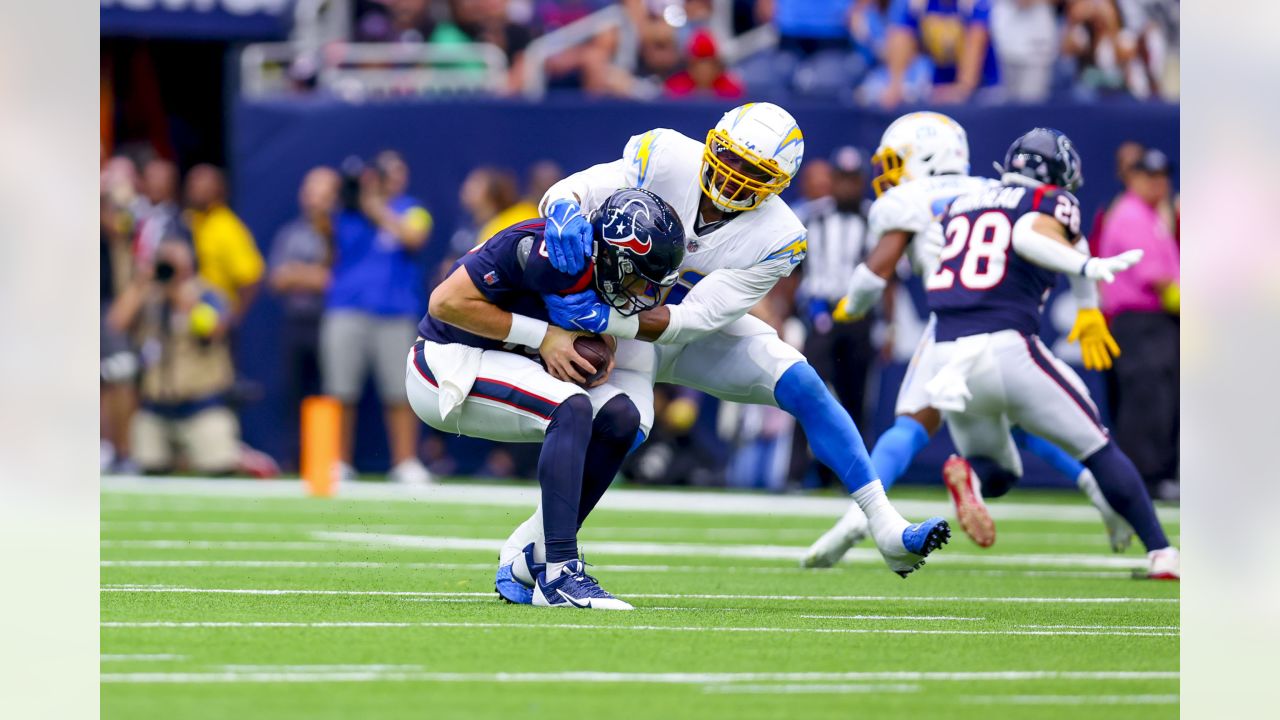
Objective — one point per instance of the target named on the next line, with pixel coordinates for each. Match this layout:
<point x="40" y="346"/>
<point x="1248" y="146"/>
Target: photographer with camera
<point x="179" y="323"/>
<point x="376" y="295"/>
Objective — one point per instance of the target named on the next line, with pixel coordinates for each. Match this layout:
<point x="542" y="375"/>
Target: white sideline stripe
<point x="220" y="544"/>
<point x="1071" y="699"/>
<point x="756" y="552"/>
<point x="638" y="678"/>
<point x="627" y="628"/>
<point x="127" y="588"/>
<point x="719" y="503"/>
<point x="139" y="658"/>
<point x="1099" y="627"/>
<point x="893" y="617"/>
<point x="808" y="689"/>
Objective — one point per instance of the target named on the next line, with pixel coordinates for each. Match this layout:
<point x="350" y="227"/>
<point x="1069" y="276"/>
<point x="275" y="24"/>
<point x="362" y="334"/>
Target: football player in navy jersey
<point x="1003" y="249"/>
<point x="474" y="369"/>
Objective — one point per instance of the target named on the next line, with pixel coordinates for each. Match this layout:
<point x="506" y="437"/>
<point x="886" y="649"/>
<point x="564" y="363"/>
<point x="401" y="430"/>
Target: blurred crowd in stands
<point x="872" y="52"/>
<point x="180" y="271"/>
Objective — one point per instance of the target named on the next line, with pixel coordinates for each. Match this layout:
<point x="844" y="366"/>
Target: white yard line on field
<point x="133" y="588"/>
<point x="1070" y="699"/>
<point x="371" y="673"/>
<point x="754" y="552"/>
<point x="893" y="617"/>
<point x="717" y="503"/>
<point x="625" y="628"/>
<point x="809" y="689"/>
<point x="139" y="658"/>
<point x="167" y="544"/>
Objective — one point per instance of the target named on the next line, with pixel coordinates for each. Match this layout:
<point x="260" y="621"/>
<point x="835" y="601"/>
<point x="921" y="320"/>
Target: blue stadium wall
<point x="273" y="143"/>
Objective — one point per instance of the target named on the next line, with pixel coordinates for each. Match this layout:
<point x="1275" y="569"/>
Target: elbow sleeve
<point x="1047" y="252"/>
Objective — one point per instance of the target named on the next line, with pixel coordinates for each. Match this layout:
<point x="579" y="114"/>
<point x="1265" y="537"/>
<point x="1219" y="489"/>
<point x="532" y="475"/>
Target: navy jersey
<point x="512" y="271"/>
<point x="983" y="286"/>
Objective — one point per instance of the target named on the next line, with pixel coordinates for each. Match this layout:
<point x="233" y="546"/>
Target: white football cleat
<point x="848" y="531"/>
<point x="1164" y="564"/>
<point x="411" y="472"/>
<point x="966" y="495"/>
<point x="1119" y="532"/>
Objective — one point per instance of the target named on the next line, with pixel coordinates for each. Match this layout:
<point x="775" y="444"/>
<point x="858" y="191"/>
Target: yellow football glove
<point x="1171" y="298"/>
<point x="842" y="315"/>
<point x="1097" y="347"/>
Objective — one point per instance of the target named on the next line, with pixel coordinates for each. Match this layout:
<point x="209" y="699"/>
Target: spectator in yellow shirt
<point x="226" y="255"/>
<point x="491" y="196"/>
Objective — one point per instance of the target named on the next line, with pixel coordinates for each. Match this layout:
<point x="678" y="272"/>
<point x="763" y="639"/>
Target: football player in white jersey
<point x="741" y="239"/>
<point x="923" y="164"/>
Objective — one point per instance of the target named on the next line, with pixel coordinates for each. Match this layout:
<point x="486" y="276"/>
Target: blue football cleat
<point x="515" y="580"/>
<point x="923" y="538"/>
<point x="575" y="589"/>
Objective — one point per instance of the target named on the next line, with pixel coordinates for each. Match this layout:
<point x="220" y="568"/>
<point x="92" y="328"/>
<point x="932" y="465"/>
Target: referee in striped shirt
<point x="842" y="353"/>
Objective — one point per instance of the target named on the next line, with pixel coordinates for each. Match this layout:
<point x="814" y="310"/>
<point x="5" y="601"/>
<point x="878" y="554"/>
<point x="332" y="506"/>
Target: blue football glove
<point x="819" y="315"/>
<point x="580" y="311"/>
<point x="568" y="237"/>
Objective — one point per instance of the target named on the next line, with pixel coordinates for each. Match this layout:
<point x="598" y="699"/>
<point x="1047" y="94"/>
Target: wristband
<point x="622" y="326"/>
<point x="526" y="331"/>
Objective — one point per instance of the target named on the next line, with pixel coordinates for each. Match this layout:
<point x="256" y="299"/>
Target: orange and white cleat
<point x="966" y="494"/>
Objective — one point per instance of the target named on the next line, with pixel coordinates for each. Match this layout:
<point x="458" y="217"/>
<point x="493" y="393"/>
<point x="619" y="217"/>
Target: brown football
<point x="595" y="350"/>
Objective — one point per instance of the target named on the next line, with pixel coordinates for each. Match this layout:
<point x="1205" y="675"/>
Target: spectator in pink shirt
<point x="1143" y="305"/>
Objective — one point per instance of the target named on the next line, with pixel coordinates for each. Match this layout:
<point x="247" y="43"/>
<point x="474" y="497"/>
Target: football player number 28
<point x="984" y="243"/>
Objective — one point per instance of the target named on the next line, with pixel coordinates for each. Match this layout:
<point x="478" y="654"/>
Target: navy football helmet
<point x="639" y="245"/>
<point x="1046" y="156"/>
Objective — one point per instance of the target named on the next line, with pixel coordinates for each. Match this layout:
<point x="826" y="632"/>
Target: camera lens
<point x="164" y="271"/>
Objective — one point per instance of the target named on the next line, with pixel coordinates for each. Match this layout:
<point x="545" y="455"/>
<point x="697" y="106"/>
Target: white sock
<point x="554" y="570"/>
<point x="872" y="500"/>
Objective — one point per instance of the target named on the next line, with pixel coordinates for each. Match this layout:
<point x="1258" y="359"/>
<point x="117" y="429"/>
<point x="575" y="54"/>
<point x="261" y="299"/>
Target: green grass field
<point x="246" y="600"/>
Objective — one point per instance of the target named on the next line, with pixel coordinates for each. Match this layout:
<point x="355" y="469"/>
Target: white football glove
<point x="1105" y="268"/>
<point x="927" y="249"/>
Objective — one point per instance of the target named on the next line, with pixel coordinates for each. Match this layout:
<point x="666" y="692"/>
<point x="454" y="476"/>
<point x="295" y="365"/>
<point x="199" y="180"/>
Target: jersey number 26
<point x="985" y="244"/>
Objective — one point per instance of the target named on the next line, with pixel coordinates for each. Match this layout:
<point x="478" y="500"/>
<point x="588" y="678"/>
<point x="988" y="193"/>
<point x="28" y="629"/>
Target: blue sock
<point x="1122" y="486"/>
<point x="560" y="475"/>
<point x="830" y="430"/>
<point x="996" y="481"/>
<point x="896" y="448"/>
<point x="612" y="434"/>
<point x="1057" y="458"/>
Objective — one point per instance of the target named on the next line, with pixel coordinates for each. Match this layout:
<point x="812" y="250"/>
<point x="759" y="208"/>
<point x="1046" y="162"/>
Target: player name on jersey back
<point x="981" y="285"/>
<point x="996" y="198"/>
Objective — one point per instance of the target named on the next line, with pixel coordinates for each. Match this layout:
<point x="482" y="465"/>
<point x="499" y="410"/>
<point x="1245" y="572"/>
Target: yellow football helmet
<point x="750" y="155"/>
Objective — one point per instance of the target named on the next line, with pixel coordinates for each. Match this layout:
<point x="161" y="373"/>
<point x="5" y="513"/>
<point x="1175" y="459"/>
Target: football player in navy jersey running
<point x="1003" y="249"/>
<point x="474" y="369"/>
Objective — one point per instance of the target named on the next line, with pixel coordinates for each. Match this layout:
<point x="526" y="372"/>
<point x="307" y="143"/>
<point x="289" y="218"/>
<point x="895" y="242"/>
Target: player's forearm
<point x="480" y="317"/>
<point x="653" y="323"/>
<point x="718" y="300"/>
<point x="1038" y="240"/>
<point x="459" y="303"/>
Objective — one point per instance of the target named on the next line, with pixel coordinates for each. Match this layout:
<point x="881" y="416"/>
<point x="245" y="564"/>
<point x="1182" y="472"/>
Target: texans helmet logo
<point x="620" y="228"/>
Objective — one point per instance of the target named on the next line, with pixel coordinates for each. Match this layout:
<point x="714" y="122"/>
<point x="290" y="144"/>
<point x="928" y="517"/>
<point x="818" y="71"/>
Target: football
<point x="597" y="351"/>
